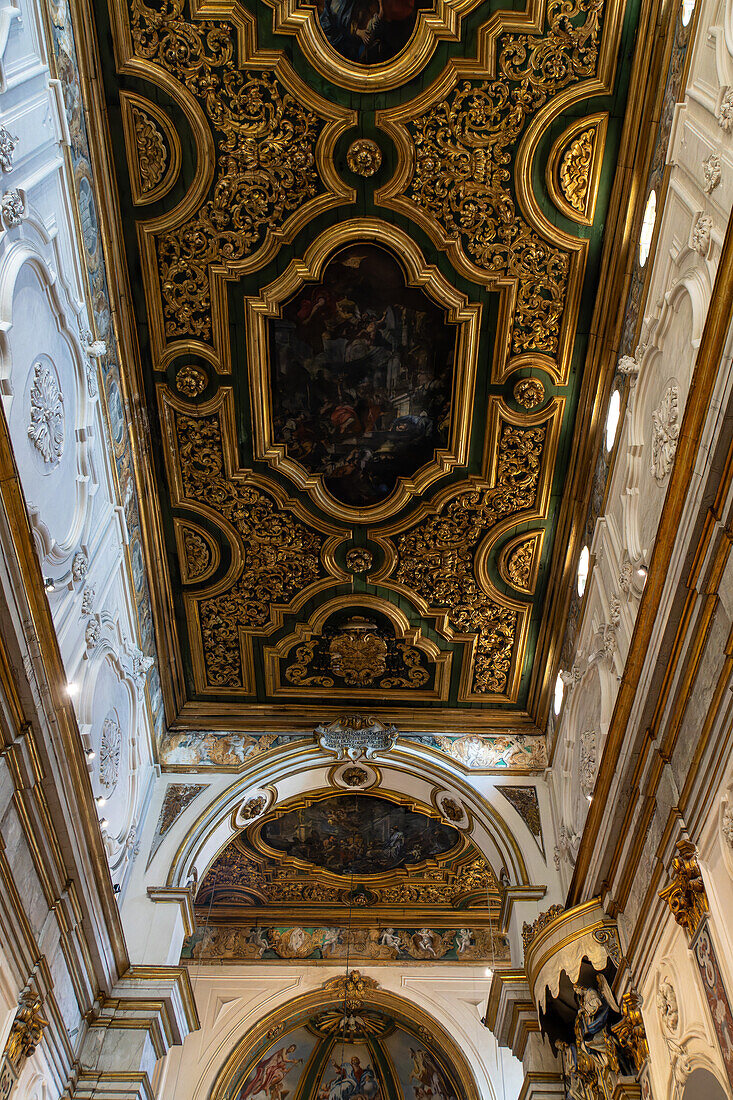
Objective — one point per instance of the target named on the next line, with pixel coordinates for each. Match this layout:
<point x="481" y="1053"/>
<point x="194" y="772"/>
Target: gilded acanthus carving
<point x="152" y="155"/>
<point x="198" y="554"/>
<point x="464" y="148"/>
<point x="26" y="1030"/>
<point x="529" y="392"/>
<point x="435" y="559"/>
<point x="686" y="894"/>
<point x="281" y="555"/>
<point x="575" y="170"/>
<point x="364" y="157"/>
<point x="266" y="167"/>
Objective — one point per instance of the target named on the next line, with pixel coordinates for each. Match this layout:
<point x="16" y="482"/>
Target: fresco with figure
<point x="369" y="31"/>
<point x="362" y="374"/>
<point x="367" y="1056"/>
<point x="359" y="834"/>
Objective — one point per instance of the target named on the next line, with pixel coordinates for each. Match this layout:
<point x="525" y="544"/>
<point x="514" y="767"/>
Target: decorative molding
<point x="725" y="111"/>
<point x="525" y="802"/>
<point x="701" y="234"/>
<point x="13" y="208"/>
<point x="79" y="566"/>
<point x="7" y="147"/>
<point x="665" y="433"/>
<point x="356" y="736"/>
<point x="712" y="173"/>
<point x="46" y="427"/>
<point x="110" y="751"/>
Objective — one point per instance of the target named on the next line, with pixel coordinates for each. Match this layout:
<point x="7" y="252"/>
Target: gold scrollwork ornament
<point x="364" y="157"/>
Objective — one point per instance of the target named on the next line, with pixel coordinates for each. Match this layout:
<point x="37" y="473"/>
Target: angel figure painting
<point x="361" y="376"/>
<point x="270" y="1077"/>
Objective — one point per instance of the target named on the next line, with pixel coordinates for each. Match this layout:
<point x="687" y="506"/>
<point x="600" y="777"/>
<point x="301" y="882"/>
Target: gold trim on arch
<point x="465" y="316"/>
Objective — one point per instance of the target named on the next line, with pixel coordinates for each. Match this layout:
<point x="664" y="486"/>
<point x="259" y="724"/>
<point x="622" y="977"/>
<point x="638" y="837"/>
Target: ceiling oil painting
<point x="358" y="834"/>
<point x="349" y="876"/>
<point x="362" y="245"/>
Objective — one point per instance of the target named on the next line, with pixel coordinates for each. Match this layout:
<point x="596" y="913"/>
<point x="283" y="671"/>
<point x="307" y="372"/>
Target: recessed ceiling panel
<point x="363" y="244"/>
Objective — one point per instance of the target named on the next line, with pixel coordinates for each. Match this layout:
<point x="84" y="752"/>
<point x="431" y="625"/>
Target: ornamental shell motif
<point x="46" y="428"/>
<point x="110" y="751"/>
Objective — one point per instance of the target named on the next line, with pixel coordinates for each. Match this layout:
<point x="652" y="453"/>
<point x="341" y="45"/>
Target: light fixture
<point x="559" y="692"/>
<point x="583" y="567"/>
<point x="489" y="972"/>
<point x="642" y="572"/>
<point x="49" y="584"/>
<point x="90" y="754"/>
<point x="589" y="797"/>
<point x="612" y="418"/>
<point x="72" y="689"/>
<point x="104" y="824"/>
<point x="688" y="6"/>
<point x="647" y="228"/>
<point x="100" y="800"/>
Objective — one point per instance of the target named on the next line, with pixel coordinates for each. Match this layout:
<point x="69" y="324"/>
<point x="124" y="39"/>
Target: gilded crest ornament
<point x="529" y="931"/>
<point x="364" y="157"/>
<point x="353" y="988"/>
<point x="358" y="653"/>
<point x="191" y="380"/>
<point x="529" y="392"/>
<point x="356" y="736"/>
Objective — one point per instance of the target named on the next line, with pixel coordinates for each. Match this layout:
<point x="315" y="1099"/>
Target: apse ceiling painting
<point x="363" y="239"/>
<point x="349" y="876"/>
<point x="371" y="1052"/>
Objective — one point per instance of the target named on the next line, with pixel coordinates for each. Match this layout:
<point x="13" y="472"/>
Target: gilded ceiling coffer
<point x="359" y="317"/>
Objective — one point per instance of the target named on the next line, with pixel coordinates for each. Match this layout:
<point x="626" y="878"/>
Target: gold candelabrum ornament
<point x="686" y="894"/>
<point x="630" y="1030"/>
<point x="25" y="1035"/>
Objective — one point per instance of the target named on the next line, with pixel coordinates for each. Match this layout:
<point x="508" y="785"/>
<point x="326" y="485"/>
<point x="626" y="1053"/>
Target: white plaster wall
<point x="73" y="496"/>
<point x="682" y="275"/>
<point x="232" y="1000"/>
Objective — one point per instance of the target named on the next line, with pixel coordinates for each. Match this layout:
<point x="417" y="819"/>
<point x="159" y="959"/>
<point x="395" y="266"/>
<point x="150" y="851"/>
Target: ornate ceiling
<point x="362" y="244"/>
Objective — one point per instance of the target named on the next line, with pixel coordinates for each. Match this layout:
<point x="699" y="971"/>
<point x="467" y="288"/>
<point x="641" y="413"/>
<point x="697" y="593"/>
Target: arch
<point x="301" y="768"/>
<point x="275" y="1031"/>
<point x="703" y="1085"/>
